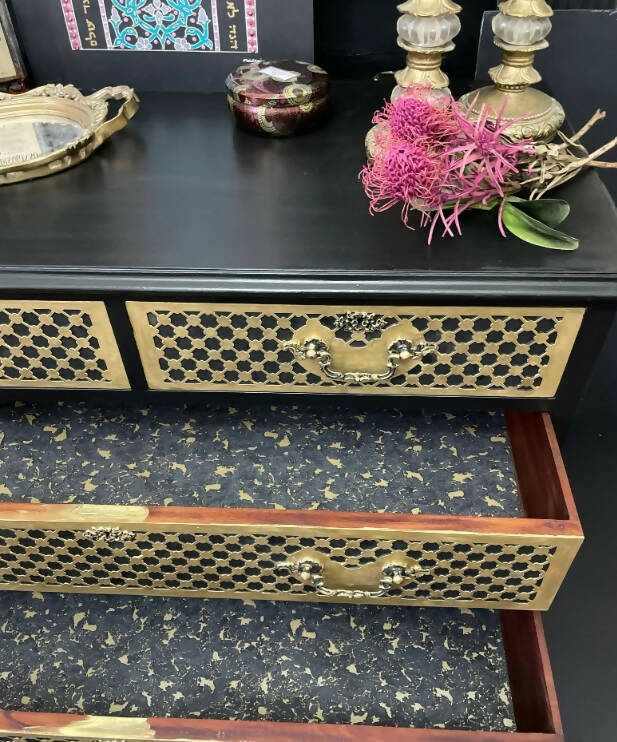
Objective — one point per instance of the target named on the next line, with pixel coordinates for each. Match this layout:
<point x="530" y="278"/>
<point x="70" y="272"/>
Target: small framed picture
<point x="12" y="71"/>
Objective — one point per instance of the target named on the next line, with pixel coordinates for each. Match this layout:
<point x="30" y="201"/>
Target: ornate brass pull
<point x="311" y="571"/>
<point x="400" y="350"/>
<point x="109" y="534"/>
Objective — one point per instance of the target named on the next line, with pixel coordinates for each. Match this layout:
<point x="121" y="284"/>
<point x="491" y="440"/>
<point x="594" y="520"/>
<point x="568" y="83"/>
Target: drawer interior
<point x="260" y="455"/>
<point x="286" y="502"/>
<point x="141" y="657"/>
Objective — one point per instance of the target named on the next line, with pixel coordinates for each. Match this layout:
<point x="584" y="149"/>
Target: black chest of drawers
<point x="229" y="252"/>
<point x="189" y="258"/>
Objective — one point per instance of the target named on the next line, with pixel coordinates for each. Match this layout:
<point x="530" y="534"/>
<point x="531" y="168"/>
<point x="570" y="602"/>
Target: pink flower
<point x="414" y="119"/>
<point x="429" y="157"/>
<point x="407" y="173"/>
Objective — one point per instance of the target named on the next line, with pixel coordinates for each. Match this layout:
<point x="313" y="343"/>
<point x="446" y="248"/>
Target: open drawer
<point x="109" y="668"/>
<point x="382" y="506"/>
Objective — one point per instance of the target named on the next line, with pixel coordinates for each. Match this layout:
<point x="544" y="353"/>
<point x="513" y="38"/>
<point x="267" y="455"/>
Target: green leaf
<point x="549" y="211"/>
<point x="489" y="206"/>
<point x="531" y="230"/>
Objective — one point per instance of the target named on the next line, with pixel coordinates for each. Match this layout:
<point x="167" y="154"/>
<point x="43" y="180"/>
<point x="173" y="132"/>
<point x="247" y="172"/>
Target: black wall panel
<point x="356" y="38"/>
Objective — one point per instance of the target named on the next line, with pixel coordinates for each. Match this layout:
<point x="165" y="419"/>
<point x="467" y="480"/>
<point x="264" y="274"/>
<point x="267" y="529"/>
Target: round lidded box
<point x="278" y="98"/>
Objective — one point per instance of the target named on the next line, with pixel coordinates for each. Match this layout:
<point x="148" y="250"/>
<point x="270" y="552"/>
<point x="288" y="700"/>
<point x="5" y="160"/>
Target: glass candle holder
<point x="521" y="31"/>
<point x="521" y="28"/>
<point x="437" y="96"/>
<point x="427" y="31"/>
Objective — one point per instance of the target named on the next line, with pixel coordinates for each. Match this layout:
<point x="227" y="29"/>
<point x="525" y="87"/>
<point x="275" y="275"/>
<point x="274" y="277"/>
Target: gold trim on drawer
<point x="432" y="351"/>
<point x="54" y="344"/>
<point x="323" y="555"/>
<point x="192" y="552"/>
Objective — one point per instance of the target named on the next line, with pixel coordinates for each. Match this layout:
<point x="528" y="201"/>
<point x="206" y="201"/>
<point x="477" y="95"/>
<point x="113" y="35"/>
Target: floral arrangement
<point x="427" y="156"/>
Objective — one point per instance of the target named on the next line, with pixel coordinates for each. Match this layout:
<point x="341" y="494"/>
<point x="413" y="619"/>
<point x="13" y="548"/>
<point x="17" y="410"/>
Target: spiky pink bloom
<point x="407" y="173"/>
<point x="415" y="119"/>
<point x="429" y="157"/>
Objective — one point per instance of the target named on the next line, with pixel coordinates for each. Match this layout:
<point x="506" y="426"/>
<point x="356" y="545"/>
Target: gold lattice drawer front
<point x="58" y="344"/>
<point x="458" y="351"/>
<point x="289" y="558"/>
<point x="485" y="518"/>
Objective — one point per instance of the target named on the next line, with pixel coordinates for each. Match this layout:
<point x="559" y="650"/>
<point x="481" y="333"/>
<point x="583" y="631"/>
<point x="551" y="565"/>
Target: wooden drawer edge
<point x="261" y="520"/>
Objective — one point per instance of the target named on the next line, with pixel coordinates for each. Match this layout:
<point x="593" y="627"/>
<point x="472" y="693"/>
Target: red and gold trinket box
<point x="278" y="98"/>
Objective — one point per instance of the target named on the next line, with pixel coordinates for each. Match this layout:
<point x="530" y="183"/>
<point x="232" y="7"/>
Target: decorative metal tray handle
<point x="398" y="351"/>
<point x="125" y="113"/>
<point x="393" y="574"/>
<point x="53" y="127"/>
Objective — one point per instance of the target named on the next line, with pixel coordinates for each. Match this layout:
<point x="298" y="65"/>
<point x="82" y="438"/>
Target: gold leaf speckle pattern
<point x="274" y="661"/>
<point x="272" y="456"/>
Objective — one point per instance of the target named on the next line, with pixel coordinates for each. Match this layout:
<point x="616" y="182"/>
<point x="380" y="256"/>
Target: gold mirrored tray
<point x="54" y="127"/>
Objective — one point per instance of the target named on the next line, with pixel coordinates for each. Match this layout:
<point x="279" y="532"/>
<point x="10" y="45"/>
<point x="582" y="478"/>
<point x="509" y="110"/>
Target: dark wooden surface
<point x="581" y="623"/>
<point x="529" y="669"/>
<point x="182" y="201"/>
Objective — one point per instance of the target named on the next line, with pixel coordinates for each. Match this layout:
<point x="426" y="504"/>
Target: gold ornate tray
<point x="54" y="127"/>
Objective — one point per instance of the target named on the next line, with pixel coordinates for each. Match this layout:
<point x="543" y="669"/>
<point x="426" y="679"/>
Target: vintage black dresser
<point x="191" y="264"/>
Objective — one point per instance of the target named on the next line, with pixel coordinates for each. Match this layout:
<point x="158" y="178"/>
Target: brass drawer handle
<point x="393" y="574"/>
<point x="109" y="534"/>
<point x="398" y="351"/>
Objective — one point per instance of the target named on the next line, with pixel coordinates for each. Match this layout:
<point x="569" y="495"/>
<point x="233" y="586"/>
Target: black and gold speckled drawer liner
<point x="285" y="502"/>
<point x="133" y="668"/>
<point x="378" y="665"/>
<point x="430" y="351"/>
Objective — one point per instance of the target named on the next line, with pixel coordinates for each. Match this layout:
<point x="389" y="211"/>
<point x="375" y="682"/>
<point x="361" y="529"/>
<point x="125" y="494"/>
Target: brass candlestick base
<point x="543" y="114"/>
<point x="425" y="31"/>
<point x="521" y="28"/>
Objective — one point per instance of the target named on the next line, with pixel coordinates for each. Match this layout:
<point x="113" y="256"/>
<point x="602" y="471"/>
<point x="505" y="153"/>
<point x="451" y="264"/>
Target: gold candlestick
<point x="521" y="28"/>
<point x="425" y="31"/>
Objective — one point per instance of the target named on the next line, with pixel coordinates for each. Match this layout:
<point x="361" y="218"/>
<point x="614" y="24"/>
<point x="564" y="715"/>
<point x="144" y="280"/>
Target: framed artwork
<point x="163" y="25"/>
<point x="12" y="71"/>
<point x="160" y="45"/>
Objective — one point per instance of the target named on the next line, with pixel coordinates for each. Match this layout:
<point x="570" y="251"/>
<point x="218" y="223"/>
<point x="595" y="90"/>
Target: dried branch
<point x="555" y="164"/>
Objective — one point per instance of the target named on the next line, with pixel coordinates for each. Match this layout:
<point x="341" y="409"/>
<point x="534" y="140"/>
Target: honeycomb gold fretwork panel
<point x="456" y="351"/>
<point x="515" y="571"/>
<point x="58" y="344"/>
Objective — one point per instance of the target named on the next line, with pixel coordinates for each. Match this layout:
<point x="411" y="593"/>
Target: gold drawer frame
<point x="375" y="558"/>
<point x="48" y="336"/>
<point x="383" y="350"/>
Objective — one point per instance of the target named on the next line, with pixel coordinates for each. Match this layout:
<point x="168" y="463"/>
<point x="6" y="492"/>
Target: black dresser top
<point x="183" y="201"/>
